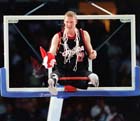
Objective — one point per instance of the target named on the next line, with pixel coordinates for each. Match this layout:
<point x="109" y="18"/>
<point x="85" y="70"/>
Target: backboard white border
<point x="15" y="19"/>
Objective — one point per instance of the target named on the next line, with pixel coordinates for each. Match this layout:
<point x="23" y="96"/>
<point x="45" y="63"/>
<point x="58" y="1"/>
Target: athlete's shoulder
<point x="56" y="36"/>
<point x="83" y="31"/>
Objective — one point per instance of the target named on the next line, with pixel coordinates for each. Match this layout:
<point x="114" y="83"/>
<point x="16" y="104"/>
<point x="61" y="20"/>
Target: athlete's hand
<point x="93" y="54"/>
<point x="48" y="58"/>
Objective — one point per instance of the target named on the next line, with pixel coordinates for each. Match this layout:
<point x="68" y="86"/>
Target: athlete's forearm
<point x="54" y="44"/>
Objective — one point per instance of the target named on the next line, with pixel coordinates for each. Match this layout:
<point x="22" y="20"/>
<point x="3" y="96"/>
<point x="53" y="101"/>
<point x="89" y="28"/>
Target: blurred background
<point x="74" y="108"/>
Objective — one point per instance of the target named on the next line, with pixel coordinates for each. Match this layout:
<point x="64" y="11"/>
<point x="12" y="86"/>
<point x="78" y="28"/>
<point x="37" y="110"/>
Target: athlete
<point x="69" y="52"/>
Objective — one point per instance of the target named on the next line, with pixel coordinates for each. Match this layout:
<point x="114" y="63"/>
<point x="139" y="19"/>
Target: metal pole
<point x="55" y="109"/>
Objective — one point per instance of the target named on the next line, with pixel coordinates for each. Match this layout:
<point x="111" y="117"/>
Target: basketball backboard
<point x="114" y="40"/>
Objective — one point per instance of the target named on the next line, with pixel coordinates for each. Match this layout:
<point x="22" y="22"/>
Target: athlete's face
<point x="70" y="22"/>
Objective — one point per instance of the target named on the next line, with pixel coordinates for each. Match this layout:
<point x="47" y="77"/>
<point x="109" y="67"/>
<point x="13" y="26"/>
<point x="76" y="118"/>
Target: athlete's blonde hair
<point x="71" y="14"/>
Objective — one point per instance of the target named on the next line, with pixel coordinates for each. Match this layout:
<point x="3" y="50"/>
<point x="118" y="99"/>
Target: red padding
<point x="74" y="78"/>
<point x="69" y="88"/>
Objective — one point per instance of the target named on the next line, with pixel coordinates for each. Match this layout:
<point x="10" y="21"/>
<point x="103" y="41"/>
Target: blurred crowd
<point x="74" y="109"/>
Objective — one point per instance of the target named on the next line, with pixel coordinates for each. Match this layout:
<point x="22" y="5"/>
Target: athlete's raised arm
<point x="91" y="52"/>
<point x="54" y="44"/>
